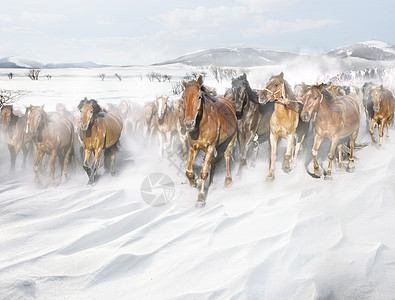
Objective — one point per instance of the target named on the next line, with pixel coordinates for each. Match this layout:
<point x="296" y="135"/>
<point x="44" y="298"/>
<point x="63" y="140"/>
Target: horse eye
<point x="315" y="98"/>
<point x="276" y="84"/>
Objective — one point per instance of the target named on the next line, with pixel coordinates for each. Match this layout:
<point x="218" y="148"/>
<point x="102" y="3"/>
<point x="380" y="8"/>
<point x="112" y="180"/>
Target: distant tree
<point x="118" y="76"/>
<point x="102" y="75"/>
<point x="33" y="74"/>
<point x="10" y="75"/>
<point x="7" y="96"/>
<point x="177" y="88"/>
<point x="49" y="76"/>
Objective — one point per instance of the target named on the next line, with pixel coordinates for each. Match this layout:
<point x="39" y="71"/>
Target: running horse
<point x="15" y="136"/>
<point x="51" y="134"/>
<point x="211" y="126"/>
<point x="283" y="121"/>
<point x="336" y="119"/>
<point x="101" y="130"/>
<point x="252" y="118"/>
<point x="382" y="105"/>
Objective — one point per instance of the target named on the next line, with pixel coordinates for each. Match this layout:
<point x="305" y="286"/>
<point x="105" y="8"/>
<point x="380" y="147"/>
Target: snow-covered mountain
<point x="370" y="50"/>
<point x="23" y="63"/>
<point x="232" y="57"/>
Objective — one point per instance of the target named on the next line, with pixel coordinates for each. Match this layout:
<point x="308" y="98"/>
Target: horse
<point x="149" y="121"/>
<point x="166" y="123"/>
<point x="131" y="116"/>
<point x="252" y="118"/>
<point x="367" y="101"/>
<point x="336" y="118"/>
<point x="182" y="133"/>
<point x="101" y="130"/>
<point x="284" y="120"/>
<point x="383" y="111"/>
<point x="211" y="126"/>
<point x="51" y="134"/>
<point x="15" y="137"/>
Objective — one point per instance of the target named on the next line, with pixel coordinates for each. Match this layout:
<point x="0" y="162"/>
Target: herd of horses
<point x="204" y="121"/>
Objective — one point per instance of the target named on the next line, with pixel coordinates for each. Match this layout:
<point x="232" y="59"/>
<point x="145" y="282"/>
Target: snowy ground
<point x="294" y="238"/>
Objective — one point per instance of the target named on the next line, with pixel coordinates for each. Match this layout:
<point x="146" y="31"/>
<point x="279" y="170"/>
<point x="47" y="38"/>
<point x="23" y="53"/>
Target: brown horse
<point x="131" y="115"/>
<point x="101" y="130"/>
<point x="383" y="111"/>
<point x="284" y="120"/>
<point x="252" y="118"/>
<point x="182" y="133"/>
<point x="211" y="126"/>
<point x="51" y="134"/>
<point x="336" y="119"/>
<point x="15" y="136"/>
<point x="166" y="123"/>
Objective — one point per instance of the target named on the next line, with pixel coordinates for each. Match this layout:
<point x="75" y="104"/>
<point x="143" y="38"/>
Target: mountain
<point x="23" y="63"/>
<point x="370" y="50"/>
<point x="232" y="57"/>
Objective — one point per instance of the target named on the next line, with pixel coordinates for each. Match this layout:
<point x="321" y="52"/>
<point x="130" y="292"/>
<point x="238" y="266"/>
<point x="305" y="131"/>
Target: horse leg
<point x="204" y="174"/>
<point x="371" y="130"/>
<point x="95" y="165"/>
<point x="351" y="166"/>
<point x="13" y="157"/>
<point x="228" y="151"/>
<point x="255" y="149"/>
<point x="37" y="161"/>
<point x="289" y="151"/>
<point x="70" y="151"/>
<point x="86" y="167"/>
<point x="340" y="156"/>
<point x="317" y="143"/>
<point x="331" y="156"/>
<point x="183" y="140"/>
<point x="387" y="137"/>
<point x="189" y="171"/>
<point x="273" y="156"/>
<point x="381" y="131"/>
<point x="53" y="161"/>
<point x="243" y="153"/>
<point x="169" y="143"/>
<point x="297" y="150"/>
<point x="160" y="141"/>
<point x="113" y="151"/>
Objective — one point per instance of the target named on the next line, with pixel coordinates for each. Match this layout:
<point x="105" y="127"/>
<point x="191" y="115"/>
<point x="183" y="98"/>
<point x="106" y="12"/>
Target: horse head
<point x="161" y="105"/>
<point x="88" y="109"/>
<point x="35" y="118"/>
<point x="275" y="87"/>
<point x="311" y="100"/>
<point x="6" y="114"/>
<point x="192" y="97"/>
<point x="239" y="93"/>
<point x="376" y="98"/>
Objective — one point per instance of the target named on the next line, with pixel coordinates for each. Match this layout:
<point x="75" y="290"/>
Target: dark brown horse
<point x="284" y="120"/>
<point x="51" y="134"/>
<point x="101" y="130"/>
<point x="383" y="104"/>
<point x="336" y="119"/>
<point x="211" y="125"/>
<point x="252" y="118"/>
<point x="14" y="130"/>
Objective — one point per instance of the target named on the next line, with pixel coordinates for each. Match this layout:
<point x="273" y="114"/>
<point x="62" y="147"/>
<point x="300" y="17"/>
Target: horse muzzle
<point x="84" y="127"/>
<point x="305" y="117"/>
<point x="189" y="125"/>
<point x="376" y="108"/>
<point x="239" y="114"/>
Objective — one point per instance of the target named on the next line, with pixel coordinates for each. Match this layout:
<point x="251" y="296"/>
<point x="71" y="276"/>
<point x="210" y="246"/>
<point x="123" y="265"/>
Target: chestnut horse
<point x="15" y="136"/>
<point x="284" y="120"/>
<point x="336" y="119"/>
<point x="252" y="118"/>
<point x="101" y="130"/>
<point x="51" y="134"/>
<point x="211" y="127"/>
<point x="383" y="104"/>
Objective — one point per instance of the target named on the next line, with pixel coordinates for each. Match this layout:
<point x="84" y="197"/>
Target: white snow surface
<point x="295" y="238"/>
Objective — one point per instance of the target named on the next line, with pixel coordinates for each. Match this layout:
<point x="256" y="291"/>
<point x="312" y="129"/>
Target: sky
<point x="143" y="32"/>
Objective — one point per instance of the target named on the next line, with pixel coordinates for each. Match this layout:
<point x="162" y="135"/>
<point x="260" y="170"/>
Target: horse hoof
<point x="228" y="181"/>
<point x="317" y="173"/>
<point x="387" y="138"/>
<point x="350" y="169"/>
<point x="328" y="177"/>
<point x="200" y="204"/>
<point x="269" y="178"/>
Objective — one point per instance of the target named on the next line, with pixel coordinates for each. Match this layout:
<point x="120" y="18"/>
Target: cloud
<point x="101" y="21"/>
<point x="5" y="18"/>
<point x="201" y="17"/>
<point x="40" y="18"/>
<point x="18" y="29"/>
<point x="271" y="27"/>
<point x="267" y="5"/>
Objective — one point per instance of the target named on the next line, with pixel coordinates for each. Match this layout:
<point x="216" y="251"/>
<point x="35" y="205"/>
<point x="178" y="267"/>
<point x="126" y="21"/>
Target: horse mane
<point x="242" y="81"/>
<point x="93" y="103"/>
<point x="334" y="103"/>
<point x="293" y="104"/>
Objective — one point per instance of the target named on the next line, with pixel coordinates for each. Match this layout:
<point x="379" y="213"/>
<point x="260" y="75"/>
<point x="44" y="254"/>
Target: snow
<point x="294" y="238"/>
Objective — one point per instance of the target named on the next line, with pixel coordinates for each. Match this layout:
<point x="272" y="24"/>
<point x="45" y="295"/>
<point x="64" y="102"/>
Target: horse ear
<point x="200" y="81"/>
<point x="184" y="83"/>
<point x="321" y="86"/>
<point x="42" y="106"/>
<point x="244" y="76"/>
<point x="281" y="75"/>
